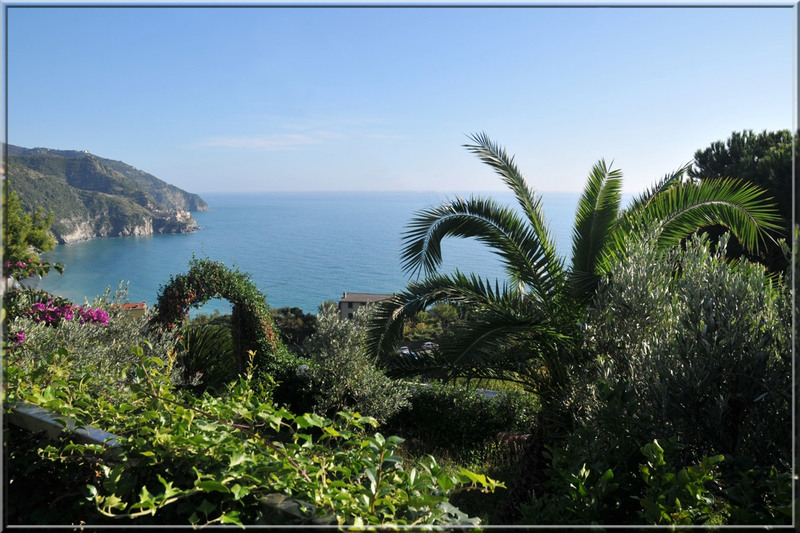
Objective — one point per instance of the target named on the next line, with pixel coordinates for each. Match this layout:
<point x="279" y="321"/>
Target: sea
<point x="300" y="249"/>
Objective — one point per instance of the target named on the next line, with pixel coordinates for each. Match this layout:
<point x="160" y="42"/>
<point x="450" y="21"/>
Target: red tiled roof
<point x="135" y="305"/>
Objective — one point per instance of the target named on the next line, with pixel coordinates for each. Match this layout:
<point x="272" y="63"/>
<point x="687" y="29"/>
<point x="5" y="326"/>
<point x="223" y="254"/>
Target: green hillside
<point x="94" y="197"/>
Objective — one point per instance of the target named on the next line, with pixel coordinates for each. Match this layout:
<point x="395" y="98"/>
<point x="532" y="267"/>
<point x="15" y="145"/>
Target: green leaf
<point x="472" y="476"/>
<point x="231" y="517"/>
<point x="372" y="474"/>
<point x="212" y="486"/>
<point x="309" y="420"/>
<point x="446" y="482"/>
<point x="207" y="508"/>
<point x="391" y="462"/>
<point x="331" y="431"/>
<point x="239" y="492"/>
<point x="237" y="459"/>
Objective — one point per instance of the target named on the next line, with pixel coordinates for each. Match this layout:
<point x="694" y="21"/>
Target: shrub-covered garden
<point x="647" y="381"/>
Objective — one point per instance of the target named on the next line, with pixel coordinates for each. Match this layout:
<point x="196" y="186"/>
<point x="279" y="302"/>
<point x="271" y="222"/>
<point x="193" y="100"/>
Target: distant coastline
<point x="93" y="197"/>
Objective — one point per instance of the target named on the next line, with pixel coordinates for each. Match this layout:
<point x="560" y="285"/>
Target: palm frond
<point x="640" y="202"/>
<point x="525" y="260"/>
<point x="495" y="156"/>
<point x="385" y="329"/>
<point x="595" y="219"/>
<point x="509" y="336"/>
<point x="685" y="208"/>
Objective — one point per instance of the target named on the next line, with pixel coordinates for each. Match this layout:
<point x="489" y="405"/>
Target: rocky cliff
<point x="92" y="197"/>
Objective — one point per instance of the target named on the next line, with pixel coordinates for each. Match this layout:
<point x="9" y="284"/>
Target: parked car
<point x="404" y="350"/>
<point x="429" y="346"/>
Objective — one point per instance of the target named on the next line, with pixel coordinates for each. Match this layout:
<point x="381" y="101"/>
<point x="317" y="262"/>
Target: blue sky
<point x="365" y="98"/>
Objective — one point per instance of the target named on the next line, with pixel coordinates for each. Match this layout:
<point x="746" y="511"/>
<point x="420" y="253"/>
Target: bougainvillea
<point x="53" y="313"/>
<point x="251" y="323"/>
<point x="32" y="267"/>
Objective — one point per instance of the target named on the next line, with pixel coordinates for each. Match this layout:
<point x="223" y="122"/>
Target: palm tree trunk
<point x="529" y="477"/>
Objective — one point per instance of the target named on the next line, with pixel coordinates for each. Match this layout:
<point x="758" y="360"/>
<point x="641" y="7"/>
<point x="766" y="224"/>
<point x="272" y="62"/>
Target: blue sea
<point x="300" y="249"/>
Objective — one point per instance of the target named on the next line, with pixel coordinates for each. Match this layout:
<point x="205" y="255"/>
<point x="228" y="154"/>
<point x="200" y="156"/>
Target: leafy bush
<point x="43" y="492"/>
<point x="701" y="346"/>
<point x="688" y="346"/>
<point x="294" y="325"/>
<point x="587" y="487"/>
<point x="236" y="459"/>
<point x="340" y="375"/>
<point x="676" y="497"/>
<point x="205" y="354"/>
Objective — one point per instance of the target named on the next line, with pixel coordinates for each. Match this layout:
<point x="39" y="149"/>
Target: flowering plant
<point x="30" y="268"/>
<point x="18" y="337"/>
<point x="52" y="313"/>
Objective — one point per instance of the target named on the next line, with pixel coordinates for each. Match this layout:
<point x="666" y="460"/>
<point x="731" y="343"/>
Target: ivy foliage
<point x="251" y="323"/>
<point x="233" y="459"/>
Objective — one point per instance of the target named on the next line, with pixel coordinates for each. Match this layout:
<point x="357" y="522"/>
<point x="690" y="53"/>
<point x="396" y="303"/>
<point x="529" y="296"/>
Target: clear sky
<point x="365" y="98"/>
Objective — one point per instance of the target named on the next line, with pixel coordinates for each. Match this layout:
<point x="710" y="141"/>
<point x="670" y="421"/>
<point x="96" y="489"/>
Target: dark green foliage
<point x="42" y="493"/>
<point x="432" y="324"/>
<point x="759" y="496"/>
<point x="340" y="375"/>
<point x="651" y="486"/>
<point x="294" y="326"/>
<point x="471" y="419"/>
<point x="676" y="495"/>
<point x="206" y="356"/>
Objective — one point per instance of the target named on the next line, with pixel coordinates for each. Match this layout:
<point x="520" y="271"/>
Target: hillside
<point x="94" y="197"/>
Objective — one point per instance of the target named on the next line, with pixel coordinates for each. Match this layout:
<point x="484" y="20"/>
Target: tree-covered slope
<point x="95" y="197"/>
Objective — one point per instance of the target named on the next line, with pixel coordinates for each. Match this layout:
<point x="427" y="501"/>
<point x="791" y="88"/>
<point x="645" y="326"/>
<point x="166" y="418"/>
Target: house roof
<point x="363" y="297"/>
<point x="134" y="305"/>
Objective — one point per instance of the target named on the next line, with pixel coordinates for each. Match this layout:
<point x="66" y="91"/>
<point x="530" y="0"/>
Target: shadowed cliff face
<point x="92" y="197"/>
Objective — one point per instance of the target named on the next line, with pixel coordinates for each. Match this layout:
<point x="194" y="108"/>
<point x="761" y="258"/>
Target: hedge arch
<point x="251" y="323"/>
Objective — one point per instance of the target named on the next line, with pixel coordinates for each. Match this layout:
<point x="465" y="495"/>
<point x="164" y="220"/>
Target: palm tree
<point x="525" y="329"/>
<point x="528" y="329"/>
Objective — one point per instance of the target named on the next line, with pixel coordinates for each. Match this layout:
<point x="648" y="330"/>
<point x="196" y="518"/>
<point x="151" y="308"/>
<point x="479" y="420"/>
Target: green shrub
<point x="701" y="347"/>
<point x="691" y="346"/>
<point x="206" y="357"/>
<point x="585" y="486"/>
<point x="340" y="375"/>
<point x="677" y="496"/>
<point x="472" y="420"/>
